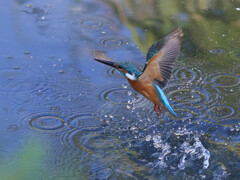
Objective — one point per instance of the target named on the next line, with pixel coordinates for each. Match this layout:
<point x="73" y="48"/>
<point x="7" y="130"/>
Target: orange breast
<point x="146" y="88"/>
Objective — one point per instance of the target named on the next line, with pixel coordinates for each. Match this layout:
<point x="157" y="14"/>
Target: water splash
<point x="175" y="150"/>
<point x="194" y="152"/>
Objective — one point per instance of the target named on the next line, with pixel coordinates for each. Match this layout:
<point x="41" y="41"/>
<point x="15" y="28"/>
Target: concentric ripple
<point x="91" y="23"/>
<point x="221" y="111"/>
<point x="186" y="96"/>
<point x="19" y="81"/>
<point x="45" y="122"/>
<point x="192" y="95"/>
<point x="187" y="74"/>
<point x="224" y="80"/>
<point x="90" y="145"/>
<point x="121" y="96"/>
<point x="183" y="115"/>
<point x="112" y="41"/>
<point x="85" y="121"/>
<point x="60" y="37"/>
<point x="53" y="96"/>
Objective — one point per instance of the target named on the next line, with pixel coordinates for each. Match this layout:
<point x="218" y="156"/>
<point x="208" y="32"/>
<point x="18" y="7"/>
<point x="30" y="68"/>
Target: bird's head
<point x="126" y="69"/>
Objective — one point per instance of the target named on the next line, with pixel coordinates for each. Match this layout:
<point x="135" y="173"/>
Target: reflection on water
<point x="91" y="124"/>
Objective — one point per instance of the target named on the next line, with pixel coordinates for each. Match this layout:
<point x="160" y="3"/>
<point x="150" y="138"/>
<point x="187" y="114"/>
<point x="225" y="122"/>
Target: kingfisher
<point x="160" y="60"/>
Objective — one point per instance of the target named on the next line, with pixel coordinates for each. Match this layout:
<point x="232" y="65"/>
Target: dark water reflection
<point x="64" y="116"/>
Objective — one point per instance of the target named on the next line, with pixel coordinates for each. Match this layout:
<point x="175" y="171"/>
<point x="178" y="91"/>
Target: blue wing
<point x="163" y="99"/>
<point x="161" y="57"/>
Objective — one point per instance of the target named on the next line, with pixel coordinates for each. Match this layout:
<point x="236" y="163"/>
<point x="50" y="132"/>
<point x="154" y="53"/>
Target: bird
<point x="157" y="71"/>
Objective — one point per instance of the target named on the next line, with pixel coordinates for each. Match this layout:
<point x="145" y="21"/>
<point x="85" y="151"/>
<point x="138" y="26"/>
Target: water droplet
<point x="27" y="52"/>
<point x="148" y="137"/>
<point x="128" y="107"/>
<point x="111" y="116"/>
<point x="129" y="93"/>
<point x="28" y="5"/>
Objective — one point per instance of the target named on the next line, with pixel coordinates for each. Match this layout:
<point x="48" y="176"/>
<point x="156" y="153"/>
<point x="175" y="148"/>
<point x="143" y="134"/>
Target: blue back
<point x="163" y="99"/>
<point x="130" y="68"/>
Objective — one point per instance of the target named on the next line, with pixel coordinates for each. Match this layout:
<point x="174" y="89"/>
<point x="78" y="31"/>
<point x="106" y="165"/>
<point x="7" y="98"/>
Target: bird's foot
<point x="156" y="108"/>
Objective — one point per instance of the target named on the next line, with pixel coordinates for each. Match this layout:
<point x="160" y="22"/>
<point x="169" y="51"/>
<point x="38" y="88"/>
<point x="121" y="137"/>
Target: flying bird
<point x="157" y="71"/>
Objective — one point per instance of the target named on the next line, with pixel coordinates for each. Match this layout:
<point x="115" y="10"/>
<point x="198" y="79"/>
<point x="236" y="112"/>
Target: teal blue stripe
<point x="163" y="99"/>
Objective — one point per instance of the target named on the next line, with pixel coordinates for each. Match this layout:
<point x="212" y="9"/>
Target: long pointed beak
<point x="109" y="63"/>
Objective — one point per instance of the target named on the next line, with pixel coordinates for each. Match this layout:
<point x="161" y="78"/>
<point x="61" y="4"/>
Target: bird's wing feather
<point x="100" y="55"/>
<point x="163" y="99"/>
<point x="161" y="58"/>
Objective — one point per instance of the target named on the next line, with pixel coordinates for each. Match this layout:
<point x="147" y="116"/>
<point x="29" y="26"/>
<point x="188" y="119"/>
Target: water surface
<point x="65" y="116"/>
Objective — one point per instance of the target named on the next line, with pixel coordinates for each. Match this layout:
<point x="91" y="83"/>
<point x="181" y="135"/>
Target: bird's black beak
<point x="109" y="63"/>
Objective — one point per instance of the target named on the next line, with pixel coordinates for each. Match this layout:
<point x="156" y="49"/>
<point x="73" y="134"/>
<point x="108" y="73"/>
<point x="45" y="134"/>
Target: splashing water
<point x="178" y="151"/>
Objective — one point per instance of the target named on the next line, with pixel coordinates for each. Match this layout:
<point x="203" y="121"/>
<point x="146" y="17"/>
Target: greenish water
<point x="66" y="117"/>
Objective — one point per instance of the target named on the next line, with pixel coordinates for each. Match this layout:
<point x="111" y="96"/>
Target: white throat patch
<point x="131" y="77"/>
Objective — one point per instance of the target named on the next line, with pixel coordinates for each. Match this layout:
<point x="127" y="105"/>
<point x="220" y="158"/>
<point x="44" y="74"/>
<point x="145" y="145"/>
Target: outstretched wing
<point x="161" y="57"/>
